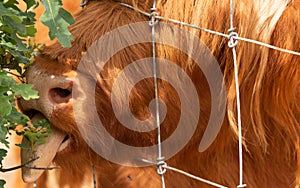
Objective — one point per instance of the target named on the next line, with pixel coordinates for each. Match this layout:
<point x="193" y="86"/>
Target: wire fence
<point x="233" y="39"/>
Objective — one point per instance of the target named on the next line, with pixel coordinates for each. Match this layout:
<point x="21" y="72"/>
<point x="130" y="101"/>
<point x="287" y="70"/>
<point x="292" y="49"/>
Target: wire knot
<point x="153" y="17"/>
<point x="83" y="3"/>
<point x="242" y="186"/>
<point x="161" y="166"/>
<point x="232" y="37"/>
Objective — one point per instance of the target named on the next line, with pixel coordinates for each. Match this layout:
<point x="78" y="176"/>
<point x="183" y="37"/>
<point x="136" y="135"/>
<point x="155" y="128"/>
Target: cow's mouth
<point x="44" y="154"/>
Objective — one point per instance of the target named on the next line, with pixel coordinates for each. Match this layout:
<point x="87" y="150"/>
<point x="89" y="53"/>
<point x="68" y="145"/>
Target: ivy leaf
<point x="26" y="91"/>
<point x="57" y="20"/>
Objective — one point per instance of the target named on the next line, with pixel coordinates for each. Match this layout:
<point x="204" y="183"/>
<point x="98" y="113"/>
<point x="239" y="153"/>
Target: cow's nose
<point x="55" y="92"/>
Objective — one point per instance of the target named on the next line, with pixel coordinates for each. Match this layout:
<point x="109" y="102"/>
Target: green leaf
<point x="26" y="91"/>
<point x="41" y="142"/>
<point x="3" y="90"/>
<point x="3" y="154"/>
<point x="31" y="4"/>
<point x="20" y="46"/>
<point x="35" y="133"/>
<point x="3" y="135"/>
<point x="2" y="183"/>
<point x="43" y="123"/>
<point x="30" y="18"/>
<point x="12" y="4"/>
<point x="4" y="11"/>
<point x="15" y="23"/>
<point x="7" y="44"/>
<point x="6" y="107"/>
<point x="5" y="80"/>
<point x="66" y="16"/>
<point x="57" y="20"/>
<point x="31" y="137"/>
<point x="22" y="146"/>
<point x="30" y="31"/>
<point x="16" y="118"/>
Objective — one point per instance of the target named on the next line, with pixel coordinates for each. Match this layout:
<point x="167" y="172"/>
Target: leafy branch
<point x="17" y="52"/>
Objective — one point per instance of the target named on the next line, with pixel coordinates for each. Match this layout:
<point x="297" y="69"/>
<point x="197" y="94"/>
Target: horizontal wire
<point x="193" y="26"/>
<point x="234" y="37"/>
<point x="133" y="8"/>
<point x="184" y="173"/>
<point x="194" y="177"/>
<point x="215" y="32"/>
<point x="268" y="45"/>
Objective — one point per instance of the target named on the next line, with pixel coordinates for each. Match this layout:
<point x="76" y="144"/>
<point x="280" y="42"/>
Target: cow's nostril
<point x="61" y="92"/>
<point x="59" y="95"/>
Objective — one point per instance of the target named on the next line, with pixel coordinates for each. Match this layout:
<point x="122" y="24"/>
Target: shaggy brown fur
<point x="269" y="86"/>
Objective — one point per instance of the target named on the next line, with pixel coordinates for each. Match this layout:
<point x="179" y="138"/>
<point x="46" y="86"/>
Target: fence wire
<point x="233" y="38"/>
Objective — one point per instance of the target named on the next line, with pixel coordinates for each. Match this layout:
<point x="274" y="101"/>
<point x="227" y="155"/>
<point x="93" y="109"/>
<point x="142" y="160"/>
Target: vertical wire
<point x="239" y="118"/>
<point x="153" y="22"/>
<point x="231" y="14"/>
<point x="94" y="176"/>
<point x="155" y="80"/>
<point x="238" y="104"/>
<point x="156" y="91"/>
<point x="154" y="4"/>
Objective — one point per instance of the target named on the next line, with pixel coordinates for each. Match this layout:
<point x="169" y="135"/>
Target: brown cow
<point x="269" y="87"/>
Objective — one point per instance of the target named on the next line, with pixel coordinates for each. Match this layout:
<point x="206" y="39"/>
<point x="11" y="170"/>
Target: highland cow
<point x="269" y="83"/>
